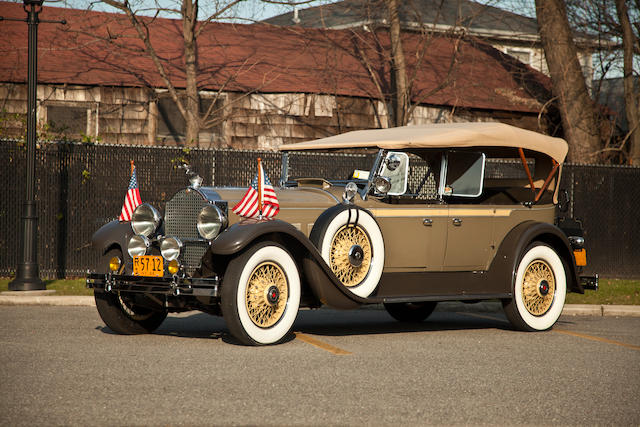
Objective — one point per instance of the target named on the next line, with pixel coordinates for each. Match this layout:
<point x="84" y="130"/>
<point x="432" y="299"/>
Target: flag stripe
<point x="248" y="206"/>
<point x="131" y="199"/>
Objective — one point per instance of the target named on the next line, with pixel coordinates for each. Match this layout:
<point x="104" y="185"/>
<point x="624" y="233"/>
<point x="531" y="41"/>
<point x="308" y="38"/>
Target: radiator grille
<point x="181" y="216"/>
<point x="192" y="255"/>
<point x="182" y="213"/>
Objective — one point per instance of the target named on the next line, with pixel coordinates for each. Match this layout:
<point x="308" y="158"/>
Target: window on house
<point x="172" y="126"/>
<point x="68" y="120"/>
<point x="521" y="55"/>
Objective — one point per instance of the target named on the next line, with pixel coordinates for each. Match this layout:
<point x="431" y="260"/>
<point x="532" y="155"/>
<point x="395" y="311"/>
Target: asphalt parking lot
<point x="61" y="365"/>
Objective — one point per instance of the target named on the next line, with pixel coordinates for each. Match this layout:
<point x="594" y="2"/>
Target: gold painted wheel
<point x="538" y="287"/>
<point x="346" y="239"/>
<point x="267" y="294"/>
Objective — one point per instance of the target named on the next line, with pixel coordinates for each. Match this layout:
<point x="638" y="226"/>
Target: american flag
<point x="132" y="198"/>
<point x="259" y="196"/>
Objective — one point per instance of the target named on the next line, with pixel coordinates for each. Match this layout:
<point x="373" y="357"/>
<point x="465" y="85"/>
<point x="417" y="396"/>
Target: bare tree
<point x="191" y="29"/>
<point x="576" y="107"/>
<point x="401" y="100"/>
<point x="394" y="56"/>
<point x="631" y="95"/>
<point x="609" y="23"/>
<point x="193" y="25"/>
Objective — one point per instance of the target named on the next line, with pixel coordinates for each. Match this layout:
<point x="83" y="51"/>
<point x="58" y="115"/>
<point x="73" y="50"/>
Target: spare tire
<point x="350" y="241"/>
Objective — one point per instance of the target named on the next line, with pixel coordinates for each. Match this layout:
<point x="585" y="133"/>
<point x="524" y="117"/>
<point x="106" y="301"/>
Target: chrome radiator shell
<point x="180" y="220"/>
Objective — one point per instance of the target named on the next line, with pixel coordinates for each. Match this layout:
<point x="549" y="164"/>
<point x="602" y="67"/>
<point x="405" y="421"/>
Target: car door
<point x="414" y="236"/>
<point x="469" y="238"/>
<point x="469" y="226"/>
<point x="414" y="229"/>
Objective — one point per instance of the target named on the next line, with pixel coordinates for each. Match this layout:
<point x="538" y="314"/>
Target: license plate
<point x="148" y="265"/>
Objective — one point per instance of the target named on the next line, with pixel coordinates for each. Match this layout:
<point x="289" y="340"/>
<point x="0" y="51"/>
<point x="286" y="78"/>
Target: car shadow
<point x="378" y="322"/>
<point x="328" y="322"/>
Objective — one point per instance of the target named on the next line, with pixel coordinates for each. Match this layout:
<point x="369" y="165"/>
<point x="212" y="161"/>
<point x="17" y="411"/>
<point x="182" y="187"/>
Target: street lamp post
<point x="27" y="272"/>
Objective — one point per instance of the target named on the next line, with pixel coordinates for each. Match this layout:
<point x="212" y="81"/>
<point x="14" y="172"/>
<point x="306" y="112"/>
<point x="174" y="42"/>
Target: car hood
<point x="289" y="198"/>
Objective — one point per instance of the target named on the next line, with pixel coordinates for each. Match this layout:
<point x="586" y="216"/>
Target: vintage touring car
<point x="446" y="212"/>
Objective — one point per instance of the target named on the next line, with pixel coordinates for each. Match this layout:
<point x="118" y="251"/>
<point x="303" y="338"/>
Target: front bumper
<point x="174" y="286"/>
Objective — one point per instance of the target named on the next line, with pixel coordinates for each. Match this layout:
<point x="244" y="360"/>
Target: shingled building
<point x="266" y="85"/>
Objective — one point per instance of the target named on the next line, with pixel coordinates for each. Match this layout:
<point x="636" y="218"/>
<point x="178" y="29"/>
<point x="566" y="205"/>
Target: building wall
<point x="108" y="114"/>
<point x="136" y="116"/>
<point x="532" y="54"/>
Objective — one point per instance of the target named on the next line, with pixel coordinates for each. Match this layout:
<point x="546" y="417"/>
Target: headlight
<point x="170" y="248"/>
<point x="211" y="221"/>
<point x="138" y="245"/>
<point x="382" y="184"/>
<point x="145" y="220"/>
<point x="350" y="191"/>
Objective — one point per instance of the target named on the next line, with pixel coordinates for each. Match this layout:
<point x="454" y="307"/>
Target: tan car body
<point x="410" y="244"/>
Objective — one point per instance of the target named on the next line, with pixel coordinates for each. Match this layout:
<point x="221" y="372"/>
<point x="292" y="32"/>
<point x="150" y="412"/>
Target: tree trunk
<point x="400" y="98"/>
<point x="576" y="107"/>
<point x="189" y="21"/>
<point x="630" y="103"/>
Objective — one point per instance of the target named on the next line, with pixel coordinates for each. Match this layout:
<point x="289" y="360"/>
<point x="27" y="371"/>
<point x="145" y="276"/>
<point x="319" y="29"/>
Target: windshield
<point x="333" y="167"/>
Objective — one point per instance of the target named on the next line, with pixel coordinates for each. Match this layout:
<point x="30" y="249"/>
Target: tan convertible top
<point x="445" y="135"/>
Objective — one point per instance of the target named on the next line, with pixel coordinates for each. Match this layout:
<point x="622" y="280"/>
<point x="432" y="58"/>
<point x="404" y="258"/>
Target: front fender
<point x="239" y="235"/>
<point x="504" y="267"/>
<point x="326" y="287"/>
<point x="114" y="233"/>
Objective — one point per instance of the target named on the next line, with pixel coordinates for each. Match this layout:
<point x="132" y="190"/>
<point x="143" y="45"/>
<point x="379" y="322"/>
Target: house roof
<point x="101" y="49"/>
<point x="481" y="20"/>
<point x="443" y="135"/>
<point x="478" y="18"/>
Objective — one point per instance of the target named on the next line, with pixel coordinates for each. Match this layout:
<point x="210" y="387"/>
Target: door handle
<point x="427" y="222"/>
<point x="457" y="222"/>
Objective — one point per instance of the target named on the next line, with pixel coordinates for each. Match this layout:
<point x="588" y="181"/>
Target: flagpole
<point x="260" y="188"/>
<point x="132" y="167"/>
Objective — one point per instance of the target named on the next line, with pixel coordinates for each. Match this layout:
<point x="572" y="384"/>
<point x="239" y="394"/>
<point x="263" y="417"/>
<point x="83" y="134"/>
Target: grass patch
<point x="62" y="287"/>
<point x="612" y="291"/>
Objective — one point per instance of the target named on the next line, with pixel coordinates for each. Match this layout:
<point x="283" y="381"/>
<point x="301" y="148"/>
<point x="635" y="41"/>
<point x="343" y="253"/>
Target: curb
<point x="22" y="298"/>
<point x="71" y="300"/>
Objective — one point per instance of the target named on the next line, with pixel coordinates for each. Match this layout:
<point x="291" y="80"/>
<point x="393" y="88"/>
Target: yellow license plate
<point x="581" y="257"/>
<point x="148" y="265"/>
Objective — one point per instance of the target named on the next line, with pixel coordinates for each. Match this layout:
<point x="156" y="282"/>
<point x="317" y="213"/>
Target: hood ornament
<point x="194" y="178"/>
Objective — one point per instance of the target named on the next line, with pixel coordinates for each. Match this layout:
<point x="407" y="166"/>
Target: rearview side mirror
<point x="396" y="170"/>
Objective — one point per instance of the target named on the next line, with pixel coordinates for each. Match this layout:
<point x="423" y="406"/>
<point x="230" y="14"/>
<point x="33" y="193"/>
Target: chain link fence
<point x="80" y="187"/>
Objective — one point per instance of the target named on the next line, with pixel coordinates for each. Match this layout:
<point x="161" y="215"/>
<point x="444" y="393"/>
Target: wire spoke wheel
<point x="130" y="309"/>
<point x="538" y="287"/>
<point x="267" y="293"/>
<point x="121" y="311"/>
<point x="261" y="294"/>
<point x="351" y="244"/>
<point x="345" y="240"/>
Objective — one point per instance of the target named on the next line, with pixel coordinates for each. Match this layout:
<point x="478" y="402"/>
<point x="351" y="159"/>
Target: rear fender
<point x="504" y="267"/>
<point x="324" y="285"/>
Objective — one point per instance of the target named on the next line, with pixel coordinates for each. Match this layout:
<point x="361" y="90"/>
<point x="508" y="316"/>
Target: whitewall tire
<point x="539" y="290"/>
<point x="351" y="244"/>
<point x="261" y="294"/>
